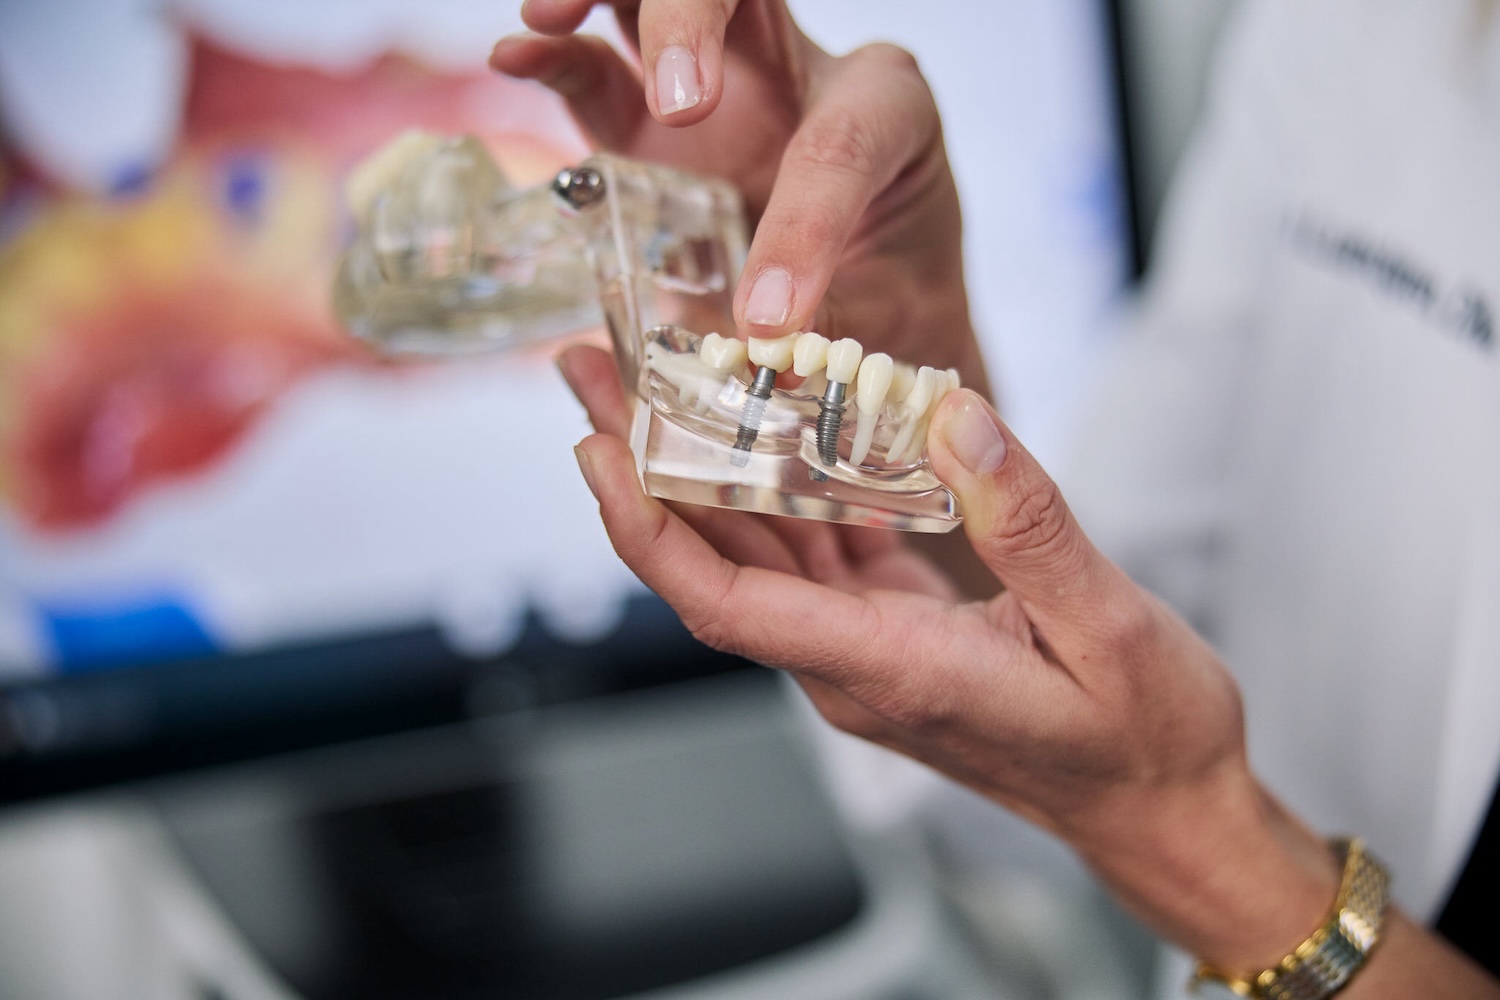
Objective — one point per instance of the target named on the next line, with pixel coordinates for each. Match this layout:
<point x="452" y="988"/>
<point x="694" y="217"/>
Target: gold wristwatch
<point x="1324" y="963"/>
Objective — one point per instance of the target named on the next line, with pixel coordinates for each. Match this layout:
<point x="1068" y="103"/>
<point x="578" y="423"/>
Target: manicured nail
<point x="587" y="468"/>
<point x="770" y="300"/>
<point x="677" y="87"/>
<point x="975" y="438"/>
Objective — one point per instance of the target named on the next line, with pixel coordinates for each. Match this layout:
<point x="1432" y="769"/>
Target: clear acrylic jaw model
<point x="452" y="259"/>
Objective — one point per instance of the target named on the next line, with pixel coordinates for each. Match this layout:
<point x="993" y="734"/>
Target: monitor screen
<point x="225" y="526"/>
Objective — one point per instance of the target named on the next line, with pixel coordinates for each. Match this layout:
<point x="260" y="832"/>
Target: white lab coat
<point x="1298" y="439"/>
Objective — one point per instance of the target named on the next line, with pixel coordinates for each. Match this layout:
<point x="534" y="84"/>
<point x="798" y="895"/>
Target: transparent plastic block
<point x="452" y="259"/>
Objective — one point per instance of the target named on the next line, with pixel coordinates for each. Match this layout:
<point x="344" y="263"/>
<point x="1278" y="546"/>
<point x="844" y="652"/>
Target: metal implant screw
<point x="756" y="398"/>
<point x="830" y="424"/>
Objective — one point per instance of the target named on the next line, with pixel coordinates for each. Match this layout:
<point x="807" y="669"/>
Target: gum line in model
<point x="452" y="259"/>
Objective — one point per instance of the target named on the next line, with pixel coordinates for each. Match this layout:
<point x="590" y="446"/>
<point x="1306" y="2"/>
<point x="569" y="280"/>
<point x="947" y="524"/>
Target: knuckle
<point x="909" y="701"/>
<point x="1127" y="625"/>
<point x="839" y="139"/>
<point x="814" y="229"/>
<point x="888" y="57"/>
<point x="710" y="622"/>
<point x="1033" y="521"/>
<point x="711" y="630"/>
<point x="898" y="69"/>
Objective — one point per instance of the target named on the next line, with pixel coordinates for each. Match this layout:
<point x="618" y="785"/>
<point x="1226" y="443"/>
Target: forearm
<point x="1239" y="882"/>
<point x="1411" y="961"/>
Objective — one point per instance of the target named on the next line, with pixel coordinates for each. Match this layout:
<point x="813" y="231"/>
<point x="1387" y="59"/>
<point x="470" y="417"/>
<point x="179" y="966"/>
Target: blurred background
<point x="318" y="677"/>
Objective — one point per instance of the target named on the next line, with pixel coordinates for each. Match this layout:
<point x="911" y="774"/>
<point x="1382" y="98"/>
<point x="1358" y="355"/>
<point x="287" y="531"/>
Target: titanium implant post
<point x="830" y="423"/>
<point x="756" y="398"/>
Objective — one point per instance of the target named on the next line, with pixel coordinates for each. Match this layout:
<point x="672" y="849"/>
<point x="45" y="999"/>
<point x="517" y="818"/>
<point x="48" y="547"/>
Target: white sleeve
<point x="1148" y="476"/>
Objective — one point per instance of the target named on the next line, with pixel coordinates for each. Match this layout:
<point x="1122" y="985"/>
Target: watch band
<point x="1324" y="963"/>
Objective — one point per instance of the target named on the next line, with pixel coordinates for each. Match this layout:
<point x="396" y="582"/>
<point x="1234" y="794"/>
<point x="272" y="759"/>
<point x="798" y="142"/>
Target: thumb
<point x="1019" y="524"/>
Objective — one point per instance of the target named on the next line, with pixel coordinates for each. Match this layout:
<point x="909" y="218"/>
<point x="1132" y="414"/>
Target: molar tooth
<point x="810" y="355"/>
<point x="874" y="382"/>
<point x="725" y="354"/>
<point x="912" y="409"/>
<point x="774" y="353"/>
<point x="843" y="360"/>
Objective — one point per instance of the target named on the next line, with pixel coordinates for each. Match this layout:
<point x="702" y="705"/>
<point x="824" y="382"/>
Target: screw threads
<point x="830" y="423"/>
<point x="756" y="398"/>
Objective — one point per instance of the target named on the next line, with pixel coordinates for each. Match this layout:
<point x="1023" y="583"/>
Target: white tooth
<point x="379" y="170"/>
<point x="843" y="360"/>
<point x="725" y="354"/>
<point x="774" y="353"/>
<point x="681" y="370"/>
<point x="944" y="383"/>
<point x="904" y="377"/>
<point x="874" y="381"/>
<point x="810" y="355"/>
<point x="913" y="408"/>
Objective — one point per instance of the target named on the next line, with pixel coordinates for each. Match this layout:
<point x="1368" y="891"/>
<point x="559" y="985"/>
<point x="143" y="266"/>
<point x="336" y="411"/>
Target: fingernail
<point x="770" y="300"/>
<point x="587" y="468"/>
<point x="975" y="438"/>
<point x="677" y="86"/>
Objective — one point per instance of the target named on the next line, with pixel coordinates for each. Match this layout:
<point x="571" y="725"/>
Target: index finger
<point x="869" y="121"/>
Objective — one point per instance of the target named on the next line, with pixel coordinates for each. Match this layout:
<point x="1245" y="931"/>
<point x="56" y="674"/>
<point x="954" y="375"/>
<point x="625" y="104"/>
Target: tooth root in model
<point x="381" y="169"/>
<point x="944" y="383"/>
<point x="873" y="386"/>
<point x="912" y="409"/>
<point x="843" y="365"/>
<point x="770" y="356"/>
<point x="721" y="354"/>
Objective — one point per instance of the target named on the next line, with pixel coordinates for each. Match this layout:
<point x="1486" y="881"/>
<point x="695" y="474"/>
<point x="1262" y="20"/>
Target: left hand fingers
<point x="881" y="648"/>
<point x="601" y="89"/>
<point x="681" y="45"/>
<point x="591" y="373"/>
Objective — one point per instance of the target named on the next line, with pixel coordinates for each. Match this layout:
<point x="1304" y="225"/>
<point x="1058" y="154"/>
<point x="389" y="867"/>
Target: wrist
<point x="1222" y="870"/>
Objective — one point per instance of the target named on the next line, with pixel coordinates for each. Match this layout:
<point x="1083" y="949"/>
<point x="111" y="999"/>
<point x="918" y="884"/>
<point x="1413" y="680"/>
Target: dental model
<point x="451" y="258"/>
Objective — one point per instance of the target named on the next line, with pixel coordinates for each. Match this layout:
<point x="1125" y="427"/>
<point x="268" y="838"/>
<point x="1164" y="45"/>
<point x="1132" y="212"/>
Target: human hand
<point x="840" y="161"/>
<point x="1074" y="698"/>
